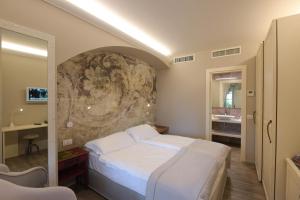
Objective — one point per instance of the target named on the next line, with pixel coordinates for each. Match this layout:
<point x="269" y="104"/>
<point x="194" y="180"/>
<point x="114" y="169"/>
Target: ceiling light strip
<point x="23" y="49"/>
<point x="99" y="11"/>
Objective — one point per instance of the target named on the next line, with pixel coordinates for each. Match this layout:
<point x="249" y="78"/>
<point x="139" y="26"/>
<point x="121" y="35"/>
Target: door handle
<point x="268" y="131"/>
<point x="254" y="117"/>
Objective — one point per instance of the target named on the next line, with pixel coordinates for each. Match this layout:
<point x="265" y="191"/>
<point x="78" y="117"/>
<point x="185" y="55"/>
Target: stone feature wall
<point x="100" y="93"/>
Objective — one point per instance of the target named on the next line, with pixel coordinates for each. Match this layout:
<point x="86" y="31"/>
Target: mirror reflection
<point x="226" y="93"/>
<point x="23" y="104"/>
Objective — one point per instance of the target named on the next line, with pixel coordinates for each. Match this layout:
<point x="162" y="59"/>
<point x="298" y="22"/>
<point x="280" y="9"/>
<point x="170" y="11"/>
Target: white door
<point x="259" y="111"/>
<point x="269" y="113"/>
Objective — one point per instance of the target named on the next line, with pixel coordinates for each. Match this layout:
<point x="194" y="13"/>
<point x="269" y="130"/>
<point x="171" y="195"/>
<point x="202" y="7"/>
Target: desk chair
<point x="30" y="139"/>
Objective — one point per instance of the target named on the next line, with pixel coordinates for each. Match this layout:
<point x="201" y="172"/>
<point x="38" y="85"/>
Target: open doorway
<point x="226" y="106"/>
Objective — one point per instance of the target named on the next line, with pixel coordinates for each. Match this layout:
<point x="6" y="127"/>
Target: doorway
<point x="226" y="106"/>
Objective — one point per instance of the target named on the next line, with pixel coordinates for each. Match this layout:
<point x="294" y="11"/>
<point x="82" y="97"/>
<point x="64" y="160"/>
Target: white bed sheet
<point x="131" y="167"/>
<point x="169" y="141"/>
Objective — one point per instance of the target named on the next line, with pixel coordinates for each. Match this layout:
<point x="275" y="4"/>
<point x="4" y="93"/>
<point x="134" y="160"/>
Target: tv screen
<point x="36" y="94"/>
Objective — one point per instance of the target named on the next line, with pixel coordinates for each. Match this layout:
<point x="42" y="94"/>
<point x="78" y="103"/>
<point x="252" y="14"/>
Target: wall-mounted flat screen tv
<point x="36" y="95"/>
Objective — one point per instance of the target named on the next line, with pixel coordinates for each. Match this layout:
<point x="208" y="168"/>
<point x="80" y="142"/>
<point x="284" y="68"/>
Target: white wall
<point x="20" y="72"/>
<point x="181" y="94"/>
<point x="215" y="93"/>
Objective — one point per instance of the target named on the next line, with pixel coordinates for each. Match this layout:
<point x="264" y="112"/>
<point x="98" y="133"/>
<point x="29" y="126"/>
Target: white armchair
<point x="35" y="177"/>
<point x="10" y="191"/>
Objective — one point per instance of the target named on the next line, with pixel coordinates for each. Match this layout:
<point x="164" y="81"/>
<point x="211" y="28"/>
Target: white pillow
<point x="110" y="143"/>
<point x="142" y="132"/>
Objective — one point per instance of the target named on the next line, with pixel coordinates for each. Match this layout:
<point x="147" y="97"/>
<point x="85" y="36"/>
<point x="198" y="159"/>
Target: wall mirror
<point x="27" y="99"/>
<point x="226" y="91"/>
<point x="231" y="95"/>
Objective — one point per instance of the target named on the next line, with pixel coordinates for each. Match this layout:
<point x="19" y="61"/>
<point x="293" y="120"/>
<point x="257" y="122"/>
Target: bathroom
<point x="226" y="93"/>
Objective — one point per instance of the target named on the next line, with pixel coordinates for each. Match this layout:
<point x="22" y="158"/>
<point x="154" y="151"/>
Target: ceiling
<point x="11" y="36"/>
<point x="195" y="25"/>
<point x="21" y="39"/>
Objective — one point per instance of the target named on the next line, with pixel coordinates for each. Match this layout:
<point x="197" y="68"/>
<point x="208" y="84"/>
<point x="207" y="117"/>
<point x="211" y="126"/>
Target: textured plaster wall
<point x="100" y="93"/>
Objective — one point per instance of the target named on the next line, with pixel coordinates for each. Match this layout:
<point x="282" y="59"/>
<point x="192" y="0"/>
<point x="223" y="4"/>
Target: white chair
<point x="34" y="177"/>
<point x="30" y="185"/>
<point x="30" y="139"/>
<point x="10" y="191"/>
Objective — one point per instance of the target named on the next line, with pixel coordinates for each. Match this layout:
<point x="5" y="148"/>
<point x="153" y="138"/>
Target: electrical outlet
<point x="67" y="142"/>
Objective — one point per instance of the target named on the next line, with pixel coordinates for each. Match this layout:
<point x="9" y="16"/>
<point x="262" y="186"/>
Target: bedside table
<point x="73" y="164"/>
<point x="161" y="129"/>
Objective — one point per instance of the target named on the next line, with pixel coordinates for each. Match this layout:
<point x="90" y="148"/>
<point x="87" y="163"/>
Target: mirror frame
<point x="52" y="135"/>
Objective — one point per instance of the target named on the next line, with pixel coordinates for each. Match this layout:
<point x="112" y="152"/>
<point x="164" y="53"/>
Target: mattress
<point x="131" y="167"/>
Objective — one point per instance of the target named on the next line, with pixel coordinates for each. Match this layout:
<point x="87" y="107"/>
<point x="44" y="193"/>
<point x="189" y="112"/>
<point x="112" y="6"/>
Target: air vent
<point x="182" y="59"/>
<point x="226" y="52"/>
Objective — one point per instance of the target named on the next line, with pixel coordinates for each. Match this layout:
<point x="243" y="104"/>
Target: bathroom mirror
<point x="226" y="91"/>
<point x="232" y="95"/>
<point x="23" y="106"/>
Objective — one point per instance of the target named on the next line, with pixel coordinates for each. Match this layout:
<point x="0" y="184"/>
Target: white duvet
<point x="132" y="166"/>
<point x="169" y="141"/>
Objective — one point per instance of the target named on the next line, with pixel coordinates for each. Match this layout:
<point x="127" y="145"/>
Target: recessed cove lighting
<point x="101" y="12"/>
<point x="24" y="49"/>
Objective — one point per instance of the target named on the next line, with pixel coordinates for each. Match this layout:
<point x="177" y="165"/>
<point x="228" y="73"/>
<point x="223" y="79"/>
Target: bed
<point x="139" y="169"/>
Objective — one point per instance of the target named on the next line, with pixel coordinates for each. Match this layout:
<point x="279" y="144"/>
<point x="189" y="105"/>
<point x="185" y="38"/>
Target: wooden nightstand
<point x="161" y="129"/>
<point x="73" y="164"/>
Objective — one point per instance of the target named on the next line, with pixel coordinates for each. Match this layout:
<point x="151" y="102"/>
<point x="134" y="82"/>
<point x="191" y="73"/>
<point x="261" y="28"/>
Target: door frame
<point x="52" y="137"/>
<point x="259" y="125"/>
<point x="243" y="70"/>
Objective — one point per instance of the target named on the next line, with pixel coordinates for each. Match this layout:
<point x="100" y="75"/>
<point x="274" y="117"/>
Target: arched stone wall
<point x="101" y="92"/>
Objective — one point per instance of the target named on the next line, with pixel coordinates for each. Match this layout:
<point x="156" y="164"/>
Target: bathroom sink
<point x="224" y="117"/>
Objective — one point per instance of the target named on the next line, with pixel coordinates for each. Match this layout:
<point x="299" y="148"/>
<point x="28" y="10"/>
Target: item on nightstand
<point x="161" y="129"/>
<point x="73" y="164"/>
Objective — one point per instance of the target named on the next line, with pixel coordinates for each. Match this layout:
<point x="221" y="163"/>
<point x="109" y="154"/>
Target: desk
<point x="8" y="129"/>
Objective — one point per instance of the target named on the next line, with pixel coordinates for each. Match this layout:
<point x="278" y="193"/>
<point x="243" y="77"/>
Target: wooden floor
<point x="24" y="162"/>
<point x="242" y="183"/>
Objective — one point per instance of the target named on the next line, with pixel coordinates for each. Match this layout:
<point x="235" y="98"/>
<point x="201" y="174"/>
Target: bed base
<point x="114" y="191"/>
<point x="219" y="186"/>
<point x="110" y="189"/>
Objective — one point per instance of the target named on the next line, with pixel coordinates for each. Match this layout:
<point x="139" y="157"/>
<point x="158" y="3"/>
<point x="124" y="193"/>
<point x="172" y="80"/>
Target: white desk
<point x="8" y="129"/>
